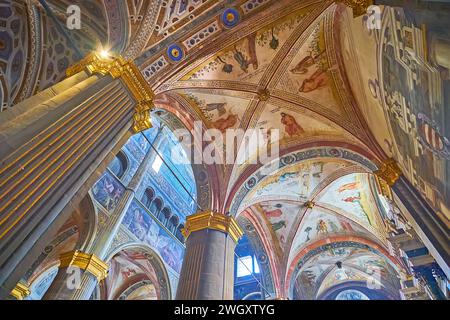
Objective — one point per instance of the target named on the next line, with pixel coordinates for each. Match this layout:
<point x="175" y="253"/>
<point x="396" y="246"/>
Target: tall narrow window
<point x="157" y="164"/>
<point x="244" y="266"/>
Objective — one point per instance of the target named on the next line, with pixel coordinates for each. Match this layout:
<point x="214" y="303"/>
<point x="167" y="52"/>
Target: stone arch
<point x="161" y="275"/>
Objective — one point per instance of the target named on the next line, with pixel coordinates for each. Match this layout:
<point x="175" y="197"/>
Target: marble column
<point x="59" y="289"/>
<point x="52" y="143"/>
<point x="208" y="266"/>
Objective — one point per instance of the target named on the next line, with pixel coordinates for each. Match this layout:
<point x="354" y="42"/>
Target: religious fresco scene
<point x="129" y="168"/>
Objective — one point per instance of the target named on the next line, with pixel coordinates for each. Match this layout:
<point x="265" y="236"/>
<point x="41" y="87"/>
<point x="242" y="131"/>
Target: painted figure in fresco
<point x="139" y="226"/>
<point x="307" y="231"/>
<point x="274" y="213"/>
<point x="241" y="60"/>
<point x="303" y="66"/>
<point x="127" y="272"/>
<point x="317" y="80"/>
<point x="278" y="225"/>
<point x="252" y="50"/>
<point x="348" y="186"/>
<point x="321" y="227"/>
<point x="291" y="126"/>
<point x="225" y="123"/>
<point x="107" y="193"/>
<point x="356" y="199"/>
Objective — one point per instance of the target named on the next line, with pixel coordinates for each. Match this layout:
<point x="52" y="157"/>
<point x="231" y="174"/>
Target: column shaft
<point x="208" y="266"/>
<point x="101" y="243"/>
<point x="48" y="156"/>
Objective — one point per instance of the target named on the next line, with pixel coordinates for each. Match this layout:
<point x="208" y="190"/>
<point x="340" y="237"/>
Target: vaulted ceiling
<point x="310" y="70"/>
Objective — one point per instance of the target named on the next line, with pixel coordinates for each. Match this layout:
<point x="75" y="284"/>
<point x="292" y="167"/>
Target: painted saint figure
<point x="291" y="126"/>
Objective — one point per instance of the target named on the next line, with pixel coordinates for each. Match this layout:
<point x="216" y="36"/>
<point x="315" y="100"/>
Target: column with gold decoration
<point x="53" y="145"/>
<point x="208" y="266"/>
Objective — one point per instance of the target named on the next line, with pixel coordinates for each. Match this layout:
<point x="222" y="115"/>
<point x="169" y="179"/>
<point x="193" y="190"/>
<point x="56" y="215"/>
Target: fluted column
<point x="208" y="266"/>
<point x="52" y="144"/>
<point x="59" y="289"/>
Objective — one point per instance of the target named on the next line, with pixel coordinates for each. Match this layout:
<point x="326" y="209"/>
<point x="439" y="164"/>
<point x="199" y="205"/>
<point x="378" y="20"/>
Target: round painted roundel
<point x="175" y="52"/>
<point x="230" y="17"/>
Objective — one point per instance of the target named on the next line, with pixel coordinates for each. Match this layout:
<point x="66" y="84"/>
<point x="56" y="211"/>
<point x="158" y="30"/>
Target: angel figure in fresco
<point x="317" y="80"/>
<point x="307" y="62"/>
<point x="291" y="126"/>
<point x="321" y="227"/>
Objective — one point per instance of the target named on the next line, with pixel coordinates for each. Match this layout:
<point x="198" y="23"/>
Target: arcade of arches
<point x="100" y="197"/>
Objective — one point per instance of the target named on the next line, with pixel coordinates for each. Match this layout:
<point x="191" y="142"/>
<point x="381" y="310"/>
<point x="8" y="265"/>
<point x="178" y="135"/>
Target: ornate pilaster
<point x="21" y="291"/>
<point x="87" y="262"/>
<point x="208" y="266"/>
<point x="75" y="265"/>
<point x="359" y="6"/>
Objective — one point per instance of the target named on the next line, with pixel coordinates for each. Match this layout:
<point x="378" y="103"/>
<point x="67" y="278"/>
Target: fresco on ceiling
<point x="338" y="265"/>
<point x="318" y="223"/>
<point x="408" y="88"/>
<point x="297" y="181"/>
<point x="223" y="111"/>
<point x="351" y="295"/>
<point x="337" y="276"/>
<point x="281" y="216"/>
<point x="125" y="269"/>
<point x="248" y="59"/>
<point x="108" y="191"/>
<point x="352" y="195"/>
<point x="139" y="222"/>
<point x="308" y="73"/>
<point x="292" y="124"/>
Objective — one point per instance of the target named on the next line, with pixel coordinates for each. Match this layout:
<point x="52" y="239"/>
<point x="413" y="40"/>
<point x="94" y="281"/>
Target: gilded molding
<point x="20" y="291"/>
<point x="359" y="6"/>
<point x="89" y="262"/>
<point x="214" y="221"/>
<point x="389" y="171"/>
<point x="118" y="67"/>
<point x="384" y="187"/>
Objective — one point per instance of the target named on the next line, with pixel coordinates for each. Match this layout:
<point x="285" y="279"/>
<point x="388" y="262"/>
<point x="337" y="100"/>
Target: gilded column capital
<point x="214" y="221"/>
<point x="21" y="291"/>
<point x="359" y="6"/>
<point x="89" y="262"/>
<point x="389" y="171"/>
<point x="128" y="72"/>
